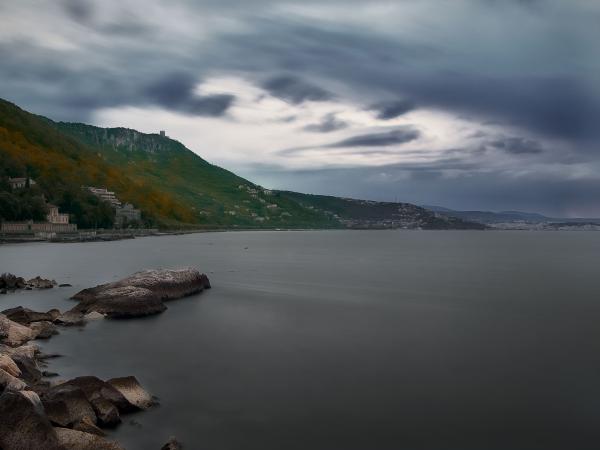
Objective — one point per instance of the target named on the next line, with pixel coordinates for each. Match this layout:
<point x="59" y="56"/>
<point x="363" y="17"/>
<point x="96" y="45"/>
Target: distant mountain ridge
<point x="172" y="185"/>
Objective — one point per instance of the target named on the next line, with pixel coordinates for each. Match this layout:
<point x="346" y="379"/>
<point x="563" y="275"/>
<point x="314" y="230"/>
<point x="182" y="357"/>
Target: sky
<point x="488" y="104"/>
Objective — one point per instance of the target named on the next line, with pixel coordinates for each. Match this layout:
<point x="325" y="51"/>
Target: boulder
<point x="70" y="318"/>
<point x="79" y="440"/>
<point x="87" y="426"/>
<point x="28" y="350"/>
<point x="67" y="405"/>
<point x="132" y="391"/>
<point x="172" y="444"/>
<point x="94" y="315"/>
<point x="8" y="365"/>
<point x="122" y="302"/>
<point x="24" y="426"/>
<point x="106" y="412"/>
<point x="9" y="382"/>
<point x="14" y="334"/>
<point x="43" y="329"/>
<point x="11" y="282"/>
<point x="40" y="283"/>
<point x="94" y="388"/>
<point x="25" y="316"/>
<point x="167" y="284"/>
<point x="30" y="372"/>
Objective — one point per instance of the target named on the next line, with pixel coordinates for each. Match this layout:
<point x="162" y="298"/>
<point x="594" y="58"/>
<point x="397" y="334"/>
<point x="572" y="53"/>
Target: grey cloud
<point x="327" y="124"/>
<point x="81" y="11"/>
<point x="383" y="139"/>
<point x="392" y="109"/>
<point x="517" y="145"/>
<point x="295" y="90"/>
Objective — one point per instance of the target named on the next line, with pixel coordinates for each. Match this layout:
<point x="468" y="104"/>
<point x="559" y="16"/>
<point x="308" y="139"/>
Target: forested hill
<point x="172" y="185"/>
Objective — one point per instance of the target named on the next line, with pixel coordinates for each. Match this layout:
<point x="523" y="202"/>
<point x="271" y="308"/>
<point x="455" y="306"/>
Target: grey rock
<point x="79" y="440"/>
<point x="67" y="405"/>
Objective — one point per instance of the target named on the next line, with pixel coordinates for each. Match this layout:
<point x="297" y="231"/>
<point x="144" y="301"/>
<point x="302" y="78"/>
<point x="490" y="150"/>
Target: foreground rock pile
<point x="70" y="415"/>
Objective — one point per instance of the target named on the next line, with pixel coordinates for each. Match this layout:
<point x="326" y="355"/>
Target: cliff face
<point x="173" y="186"/>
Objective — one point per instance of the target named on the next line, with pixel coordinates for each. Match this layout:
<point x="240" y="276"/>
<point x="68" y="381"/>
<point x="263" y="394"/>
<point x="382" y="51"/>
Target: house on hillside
<point x="127" y="214"/>
<point x="20" y="182"/>
<point x="54" y="216"/>
<point x="105" y="194"/>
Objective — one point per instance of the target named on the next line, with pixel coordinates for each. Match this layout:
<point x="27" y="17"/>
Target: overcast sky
<point x="490" y="104"/>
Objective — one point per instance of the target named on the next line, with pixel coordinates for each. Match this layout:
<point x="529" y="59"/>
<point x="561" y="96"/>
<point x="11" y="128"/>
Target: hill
<point x="173" y="186"/>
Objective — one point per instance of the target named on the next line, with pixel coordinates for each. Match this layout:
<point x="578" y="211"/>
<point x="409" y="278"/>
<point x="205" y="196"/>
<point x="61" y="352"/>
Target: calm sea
<point x="342" y="340"/>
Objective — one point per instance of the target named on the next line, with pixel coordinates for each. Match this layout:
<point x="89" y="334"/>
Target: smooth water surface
<point x="330" y="340"/>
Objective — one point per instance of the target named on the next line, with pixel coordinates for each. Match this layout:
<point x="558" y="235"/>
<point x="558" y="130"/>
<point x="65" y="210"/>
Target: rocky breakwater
<point x="36" y="413"/>
<point x="140" y="294"/>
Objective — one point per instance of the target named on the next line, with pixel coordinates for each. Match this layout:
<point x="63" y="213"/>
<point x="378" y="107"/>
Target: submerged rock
<point x="142" y="293"/>
<point x="24" y="425"/>
<point x="79" y="440"/>
<point x="132" y="391"/>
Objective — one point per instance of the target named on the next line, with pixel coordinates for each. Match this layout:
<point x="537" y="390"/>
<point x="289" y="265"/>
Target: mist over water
<point x="328" y="340"/>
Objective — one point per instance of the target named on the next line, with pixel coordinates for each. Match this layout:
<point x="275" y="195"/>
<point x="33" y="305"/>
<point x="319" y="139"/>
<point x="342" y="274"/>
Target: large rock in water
<point x="132" y="391"/>
<point x="67" y="405"/>
<point x="142" y="293"/>
<point x="24" y="426"/>
<point x="94" y="388"/>
<point x="25" y="316"/>
<point x="13" y="333"/>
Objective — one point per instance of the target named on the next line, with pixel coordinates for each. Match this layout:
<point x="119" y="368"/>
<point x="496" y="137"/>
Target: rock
<point x="123" y="302"/>
<point x="30" y="371"/>
<point x="79" y="440"/>
<point x="8" y="365"/>
<point x="94" y="315"/>
<point x="11" y="282"/>
<point x="3" y="291"/>
<point x="48" y="374"/>
<point x="172" y="444"/>
<point x="41" y="283"/>
<point x="94" y="388"/>
<point x="67" y="405"/>
<point x="28" y="350"/>
<point x="9" y="382"/>
<point x="70" y="318"/>
<point x="167" y="284"/>
<point x="132" y="391"/>
<point x="64" y="285"/>
<point x="106" y="412"/>
<point x="43" y="330"/>
<point x="25" y="316"/>
<point x="14" y="333"/>
<point x="87" y="426"/>
<point x="24" y="426"/>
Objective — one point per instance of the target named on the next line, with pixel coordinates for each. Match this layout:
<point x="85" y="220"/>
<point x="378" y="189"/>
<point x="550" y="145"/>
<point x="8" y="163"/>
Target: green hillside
<point x="173" y="186"/>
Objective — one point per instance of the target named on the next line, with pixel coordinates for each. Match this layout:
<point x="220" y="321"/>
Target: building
<point x="37" y="227"/>
<point x="127" y="214"/>
<point x="104" y="194"/>
<point x="54" y="216"/>
<point x="162" y="133"/>
<point x="19" y="183"/>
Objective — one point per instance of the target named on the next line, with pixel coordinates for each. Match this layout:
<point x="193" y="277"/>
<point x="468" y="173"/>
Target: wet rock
<point x="48" y="374"/>
<point x="172" y="444"/>
<point x="28" y="350"/>
<point x="70" y="318"/>
<point x="25" y="316"/>
<point x="87" y="426"/>
<point x="8" y="365"/>
<point x="9" y="382"/>
<point x="30" y="372"/>
<point x="167" y="284"/>
<point x="79" y="440"/>
<point x="43" y="330"/>
<point x="64" y="285"/>
<point x="40" y="283"/>
<point x="94" y="388"/>
<point x="67" y="405"/>
<point x="122" y="302"/>
<point x="94" y="315"/>
<point x="132" y="391"/>
<point x="11" y="282"/>
<point x="24" y="426"/>
<point x="106" y="412"/>
<point x="14" y="334"/>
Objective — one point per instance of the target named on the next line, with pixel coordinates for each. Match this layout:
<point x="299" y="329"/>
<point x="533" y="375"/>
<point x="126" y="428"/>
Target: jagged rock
<point x="14" y="334"/>
<point x="25" y="316"/>
<point x="70" y="318"/>
<point x="7" y="364"/>
<point x="106" y="412"/>
<point x="28" y="350"/>
<point x="79" y="440"/>
<point x="24" y="426"/>
<point x="41" y="283"/>
<point x="67" y="405"/>
<point x="30" y="372"/>
<point x="43" y="330"/>
<point x="172" y="444"/>
<point x="132" y="391"/>
<point x="11" y="282"/>
<point x="87" y="426"/>
<point x="9" y="382"/>
<point x="123" y="302"/>
<point x="94" y="388"/>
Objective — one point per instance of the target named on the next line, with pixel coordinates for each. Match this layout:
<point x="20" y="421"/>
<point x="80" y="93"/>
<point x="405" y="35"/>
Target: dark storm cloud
<point x="326" y="125"/>
<point x="392" y="109"/>
<point x="517" y="145"/>
<point x="295" y="90"/>
<point x="384" y="139"/>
